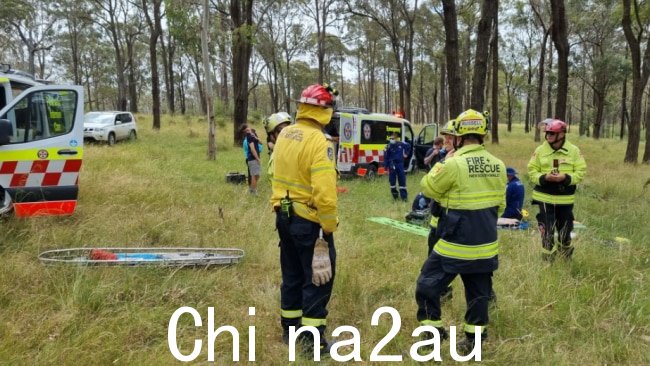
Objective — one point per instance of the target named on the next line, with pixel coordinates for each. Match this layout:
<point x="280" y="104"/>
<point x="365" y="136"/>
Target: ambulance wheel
<point x="371" y="173"/>
<point x="111" y="139"/>
<point x="132" y="135"/>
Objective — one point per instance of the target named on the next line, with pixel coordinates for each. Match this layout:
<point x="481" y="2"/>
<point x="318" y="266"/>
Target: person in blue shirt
<point x="515" y="193"/>
<point x="394" y="154"/>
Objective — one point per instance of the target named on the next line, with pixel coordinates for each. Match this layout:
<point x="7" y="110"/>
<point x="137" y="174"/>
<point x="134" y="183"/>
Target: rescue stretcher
<point x="166" y="257"/>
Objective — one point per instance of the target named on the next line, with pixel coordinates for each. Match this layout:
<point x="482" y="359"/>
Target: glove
<point x="321" y="267"/>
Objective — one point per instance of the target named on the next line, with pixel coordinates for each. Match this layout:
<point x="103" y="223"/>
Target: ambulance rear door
<point x="41" y="149"/>
<point x="348" y="139"/>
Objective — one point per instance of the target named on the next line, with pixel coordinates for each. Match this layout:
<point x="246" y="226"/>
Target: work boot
<point x="428" y="336"/>
<point x="285" y="336"/>
<point x="565" y="252"/>
<point x="466" y="346"/>
<point x="306" y="342"/>
<point x="446" y="295"/>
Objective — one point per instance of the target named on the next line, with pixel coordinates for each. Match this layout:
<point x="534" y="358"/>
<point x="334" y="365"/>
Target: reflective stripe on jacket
<point x="304" y="165"/>
<point x="471" y="188"/>
<point x="571" y="162"/>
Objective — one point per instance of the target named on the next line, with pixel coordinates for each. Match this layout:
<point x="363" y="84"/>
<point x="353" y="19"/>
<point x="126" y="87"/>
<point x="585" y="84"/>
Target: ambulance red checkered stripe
<point x="346" y="155"/>
<point x="368" y="156"/>
<point x="39" y="173"/>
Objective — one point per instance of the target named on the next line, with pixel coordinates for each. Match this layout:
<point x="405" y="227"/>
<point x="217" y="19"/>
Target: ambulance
<point x="362" y="139"/>
<point x="41" y="145"/>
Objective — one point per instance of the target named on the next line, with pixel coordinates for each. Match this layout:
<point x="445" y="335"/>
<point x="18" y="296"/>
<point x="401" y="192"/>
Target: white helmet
<point x="275" y="120"/>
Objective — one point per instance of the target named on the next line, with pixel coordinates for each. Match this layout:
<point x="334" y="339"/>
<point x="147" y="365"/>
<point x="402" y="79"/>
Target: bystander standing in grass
<point x="555" y="168"/>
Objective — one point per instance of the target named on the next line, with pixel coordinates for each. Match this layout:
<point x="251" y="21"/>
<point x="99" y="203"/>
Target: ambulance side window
<point x="41" y="115"/>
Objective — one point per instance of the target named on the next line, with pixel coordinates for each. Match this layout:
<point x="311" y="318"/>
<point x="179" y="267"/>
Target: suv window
<point x="125" y="117"/>
<point x="41" y="115"/>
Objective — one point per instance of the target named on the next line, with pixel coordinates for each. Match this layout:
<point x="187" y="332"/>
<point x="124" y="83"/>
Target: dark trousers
<point x="434" y="281"/>
<point x="551" y="218"/>
<point x="302" y="302"/>
<point x="432" y="239"/>
<point x="396" y="172"/>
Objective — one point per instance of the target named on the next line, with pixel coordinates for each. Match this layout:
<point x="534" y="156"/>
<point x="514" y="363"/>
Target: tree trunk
<point x="540" y="86"/>
<point x="529" y="83"/>
<point x="483" y="32"/>
<point x="549" y="86"/>
<point x="494" y="45"/>
<point x="640" y="72"/>
<point x="205" y="41"/>
<point x="455" y="84"/>
<point x="241" y="13"/>
<point x="561" y="41"/>
<point x="599" y="100"/>
<point x="623" y="108"/>
<point x="443" y="108"/>
<point x="133" y="85"/>
<point x="155" y="30"/>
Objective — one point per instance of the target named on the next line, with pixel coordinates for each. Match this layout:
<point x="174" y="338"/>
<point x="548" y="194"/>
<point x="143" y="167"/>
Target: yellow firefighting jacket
<point x="470" y="186"/>
<point x="570" y="162"/>
<point x="304" y="165"/>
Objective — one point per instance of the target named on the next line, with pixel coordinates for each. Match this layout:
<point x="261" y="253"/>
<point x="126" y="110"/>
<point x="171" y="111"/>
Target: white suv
<point x="110" y="126"/>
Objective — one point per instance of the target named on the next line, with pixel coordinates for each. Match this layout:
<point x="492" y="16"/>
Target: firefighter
<point x="394" y="154"/>
<point x="555" y="168"/>
<point x="273" y="125"/>
<point x="304" y="198"/>
<point x="470" y="187"/>
<point x="447" y="133"/>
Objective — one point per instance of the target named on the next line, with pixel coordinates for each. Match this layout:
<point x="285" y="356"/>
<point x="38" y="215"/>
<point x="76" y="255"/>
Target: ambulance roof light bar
<point x="5" y="67"/>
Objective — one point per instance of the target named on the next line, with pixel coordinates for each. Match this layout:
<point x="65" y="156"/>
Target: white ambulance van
<point x="41" y="145"/>
<point x="362" y="139"/>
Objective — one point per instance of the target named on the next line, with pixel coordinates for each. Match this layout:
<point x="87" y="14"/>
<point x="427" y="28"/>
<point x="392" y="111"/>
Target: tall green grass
<point x="161" y="191"/>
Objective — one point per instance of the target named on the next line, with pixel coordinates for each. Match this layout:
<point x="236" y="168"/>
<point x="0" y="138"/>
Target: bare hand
<point x="555" y="177"/>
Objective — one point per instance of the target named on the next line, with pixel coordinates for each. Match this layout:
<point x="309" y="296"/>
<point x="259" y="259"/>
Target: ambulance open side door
<point x="41" y="149"/>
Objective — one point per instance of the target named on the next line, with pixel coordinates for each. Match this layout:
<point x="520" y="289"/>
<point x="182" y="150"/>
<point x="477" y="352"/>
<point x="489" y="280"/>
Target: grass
<point x="161" y="191"/>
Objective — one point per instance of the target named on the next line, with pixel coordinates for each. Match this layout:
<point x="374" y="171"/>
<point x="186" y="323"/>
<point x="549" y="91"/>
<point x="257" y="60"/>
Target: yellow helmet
<point x="275" y="120"/>
<point x="471" y="122"/>
<point x="449" y="128"/>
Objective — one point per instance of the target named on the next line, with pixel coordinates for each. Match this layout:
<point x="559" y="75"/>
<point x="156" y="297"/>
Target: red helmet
<point x="320" y="95"/>
<point x="555" y="126"/>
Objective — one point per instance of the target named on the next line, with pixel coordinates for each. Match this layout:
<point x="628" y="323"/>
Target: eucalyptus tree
<point x="367" y="42"/>
<point x="242" y="31"/>
<point x="489" y="10"/>
<point x="323" y="14"/>
<point x="74" y="37"/>
<point x="519" y="42"/>
<point x="34" y="23"/>
<point x="559" y="34"/>
<point x="155" y="32"/>
<point x="455" y="82"/>
<point x="599" y="37"/>
<point x="133" y="43"/>
<point x="430" y="95"/>
<point x="281" y="38"/>
<point x="184" y="23"/>
<point x="111" y="16"/>
<point x="635" y="23"/>
<point x="543" y="19"/>
<point x="397" y="19"/>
